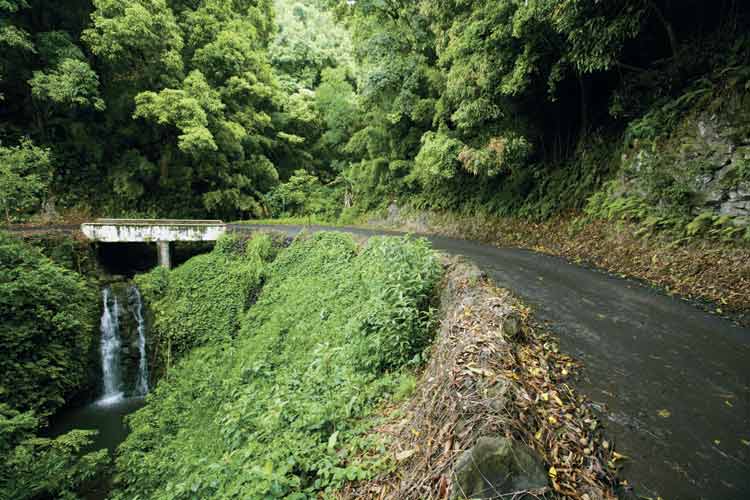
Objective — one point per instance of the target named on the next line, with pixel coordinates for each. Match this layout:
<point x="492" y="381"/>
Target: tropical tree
<point x="24" y="178"/>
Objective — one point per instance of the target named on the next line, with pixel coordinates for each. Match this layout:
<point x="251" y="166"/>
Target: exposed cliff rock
<point x="700" y="165"/>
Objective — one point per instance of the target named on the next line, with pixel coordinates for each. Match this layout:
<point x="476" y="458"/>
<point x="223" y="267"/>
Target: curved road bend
<point x="671" y="381"/>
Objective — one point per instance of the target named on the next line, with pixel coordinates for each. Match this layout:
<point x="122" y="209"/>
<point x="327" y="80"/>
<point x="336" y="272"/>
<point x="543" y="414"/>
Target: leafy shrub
<point x="34" y="467"/>
<point x="282" y="410"/>
<point x="303" y="194"/>
<point x="24" y="175"/>
<point x="438" y="159"/>
<point x="67" y="251"/>
<point x="47" y="332"/>
<point x="389" y="332"/>
<point x="49" y="318"/>
<point x="500" y="154"/>
<point x="200" y="302"/>
<point x="374" y="183"/>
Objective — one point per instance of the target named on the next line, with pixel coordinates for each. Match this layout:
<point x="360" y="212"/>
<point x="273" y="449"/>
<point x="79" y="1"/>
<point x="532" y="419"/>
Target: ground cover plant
<point x="200" y="302"/>
<point x="46" y="336"/>
<point x="281" y="409"/>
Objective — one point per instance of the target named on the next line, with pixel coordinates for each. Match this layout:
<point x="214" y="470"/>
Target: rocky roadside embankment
<point x="493" y="413"/>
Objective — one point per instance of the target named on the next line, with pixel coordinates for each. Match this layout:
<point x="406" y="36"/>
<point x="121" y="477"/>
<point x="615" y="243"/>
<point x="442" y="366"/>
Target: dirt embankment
<point x="496" y="389"/>
<point x="712" y="272"/>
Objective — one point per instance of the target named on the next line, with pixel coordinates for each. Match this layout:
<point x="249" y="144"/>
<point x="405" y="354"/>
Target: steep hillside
<point x="275" y="403"/>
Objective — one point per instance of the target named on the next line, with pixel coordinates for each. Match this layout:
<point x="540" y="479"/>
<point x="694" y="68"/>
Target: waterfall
<point x="110" y="349"/>
<point x="117" y="359"/>
<point x="141" y="384"/>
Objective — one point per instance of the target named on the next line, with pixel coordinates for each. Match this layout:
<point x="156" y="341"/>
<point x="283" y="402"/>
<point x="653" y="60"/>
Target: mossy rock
<point x="497" y="466"/>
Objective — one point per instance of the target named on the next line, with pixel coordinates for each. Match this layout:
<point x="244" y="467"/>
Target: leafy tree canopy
<point x="203" y="107"/>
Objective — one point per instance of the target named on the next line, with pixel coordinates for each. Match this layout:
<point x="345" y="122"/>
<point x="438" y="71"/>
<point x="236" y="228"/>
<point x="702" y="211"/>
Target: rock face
<point x="705" y="158"/>
<point x="416" y="223"/>
<point x="495" y="467"/>
<point x="720" y="159"/>
<point x="737" y="202"/>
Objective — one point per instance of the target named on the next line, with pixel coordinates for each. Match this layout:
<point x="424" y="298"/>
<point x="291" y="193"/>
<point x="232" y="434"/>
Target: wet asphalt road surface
<point x="671" y="382"/>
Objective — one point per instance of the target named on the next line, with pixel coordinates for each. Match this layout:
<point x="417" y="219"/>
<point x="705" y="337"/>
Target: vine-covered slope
<point x="279" y="407"/>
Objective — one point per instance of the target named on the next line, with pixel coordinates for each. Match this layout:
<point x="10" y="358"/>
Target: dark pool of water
<point x="108" y="419"/>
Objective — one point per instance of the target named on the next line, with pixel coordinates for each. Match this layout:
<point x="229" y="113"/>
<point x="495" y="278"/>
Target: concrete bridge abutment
<point x="160" y="231"/>
<point x="163" y="250"/>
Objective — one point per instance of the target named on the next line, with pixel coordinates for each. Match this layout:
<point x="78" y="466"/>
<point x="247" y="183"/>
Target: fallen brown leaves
<point x="712" y="271"/>
<point x="492" y="372"/>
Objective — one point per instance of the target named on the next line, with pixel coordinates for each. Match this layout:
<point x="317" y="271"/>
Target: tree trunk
<point x="164" y="161"/>
<point x="673" y="43"/>
<point x="584" y="107"/>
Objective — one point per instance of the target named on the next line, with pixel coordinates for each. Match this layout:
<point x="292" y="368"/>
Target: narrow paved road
<point x="672" y="382"/>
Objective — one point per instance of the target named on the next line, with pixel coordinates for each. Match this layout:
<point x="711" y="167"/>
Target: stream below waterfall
<point x="124" y="370"/>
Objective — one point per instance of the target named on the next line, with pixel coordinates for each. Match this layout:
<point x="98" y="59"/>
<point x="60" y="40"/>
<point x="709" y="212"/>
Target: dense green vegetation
<point x="519" y="108"/>
<point x="270" y="360"/>
<point x="24" y="175"/>
<point x="270" y="363"/>
<point x="49" y="317"/>
<point x="168" y="104"/>
<point x="276" y="408"/>
<point x="163" y="107"/>
<point x="200" y="302"/>
<point x="330" y="108"/>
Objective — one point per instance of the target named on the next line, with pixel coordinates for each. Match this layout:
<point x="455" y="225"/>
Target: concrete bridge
<point x="159" y="231"/>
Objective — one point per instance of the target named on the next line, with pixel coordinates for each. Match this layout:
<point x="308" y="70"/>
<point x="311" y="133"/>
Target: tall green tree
<point x="24" y="177"/>
<point x="472" y="101"/>
<point x="313" y="59"/>
<point x="204" y="87"/>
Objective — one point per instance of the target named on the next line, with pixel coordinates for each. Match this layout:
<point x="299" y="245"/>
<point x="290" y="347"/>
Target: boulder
<point x="497" y="466"/>
<point x="735" y="208"/>
<point x="511" y="326"/>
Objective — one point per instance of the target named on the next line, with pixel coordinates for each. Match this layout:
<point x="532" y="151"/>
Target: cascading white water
<point x="111" y="346"/>
<point x="110" y="349"/>
<point x="141" y="384"/>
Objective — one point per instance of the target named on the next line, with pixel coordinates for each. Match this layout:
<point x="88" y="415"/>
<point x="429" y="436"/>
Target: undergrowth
<point x="282" y="409"/>
<point x="665" y="158"/>
<point x="47" y="329"/>
<point x="200" y="301"/>
<point x="681" y="226"/>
